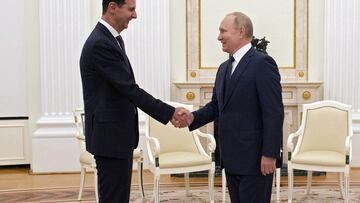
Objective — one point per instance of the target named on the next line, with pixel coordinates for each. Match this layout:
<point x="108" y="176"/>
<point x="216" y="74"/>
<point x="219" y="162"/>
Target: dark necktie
<point x="228" y="74"/>
<point x="121" y="42"/>
<point x="230" y="67"/>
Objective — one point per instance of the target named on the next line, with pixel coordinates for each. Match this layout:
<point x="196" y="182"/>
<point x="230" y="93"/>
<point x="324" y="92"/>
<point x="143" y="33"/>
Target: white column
<point x="147" y="42"/>
<point x="342" y="59"/>
<point x="64" y="26"/>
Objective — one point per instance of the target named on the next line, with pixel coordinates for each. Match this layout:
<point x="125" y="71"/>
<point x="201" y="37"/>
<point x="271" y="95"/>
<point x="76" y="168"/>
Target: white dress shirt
<point x="111" y="29"/>
<point x="238" y="55"/>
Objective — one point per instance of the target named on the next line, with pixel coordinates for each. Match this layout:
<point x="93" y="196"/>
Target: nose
<point x="134" y="15"/>
<point x="219" y="37"/>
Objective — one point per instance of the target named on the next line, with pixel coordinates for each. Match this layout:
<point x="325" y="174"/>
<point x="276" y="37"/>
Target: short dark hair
<point x="105" y="4"/>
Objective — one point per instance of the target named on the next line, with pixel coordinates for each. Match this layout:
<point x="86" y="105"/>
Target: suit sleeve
<point x="272" y="108"/>
<point x="206" y="114"/>
<point x="112" y="67"/>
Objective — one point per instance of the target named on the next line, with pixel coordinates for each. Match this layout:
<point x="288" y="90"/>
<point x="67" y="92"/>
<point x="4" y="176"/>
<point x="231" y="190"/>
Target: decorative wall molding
<point x="64" y="27"/>
<point x="341" y="60"/>
<point x="147" y="42"/>
<point x="196" y="73"/>
<point x="292" y="96"/>
<point x="341" y="72"/>
<point x="14" y="145"/>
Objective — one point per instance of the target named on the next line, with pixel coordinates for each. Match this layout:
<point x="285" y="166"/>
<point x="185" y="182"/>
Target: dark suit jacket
<point x="111" y="97"/>
<point x="250" y="115"/>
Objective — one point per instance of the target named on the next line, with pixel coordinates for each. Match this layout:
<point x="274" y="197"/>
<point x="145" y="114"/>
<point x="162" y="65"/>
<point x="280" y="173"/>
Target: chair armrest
<point x="348" y="146"/>
<point x="211" y="144"/>
<point x="154" y="145"/>
<point x="290" y="142"/>
<point x="80" y="136"/>
<point x="138" y="155"/>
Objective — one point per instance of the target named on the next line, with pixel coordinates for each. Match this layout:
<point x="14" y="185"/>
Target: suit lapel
<point x="240" y="68"/>
<point x="116" y="45"/>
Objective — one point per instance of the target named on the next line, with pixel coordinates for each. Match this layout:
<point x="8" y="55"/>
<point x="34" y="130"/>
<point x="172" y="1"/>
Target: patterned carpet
<point x="199" y="194"/>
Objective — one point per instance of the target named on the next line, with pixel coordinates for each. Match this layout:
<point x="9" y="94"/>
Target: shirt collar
<point x="241" y="52"/>
<point x="110" y="28"/>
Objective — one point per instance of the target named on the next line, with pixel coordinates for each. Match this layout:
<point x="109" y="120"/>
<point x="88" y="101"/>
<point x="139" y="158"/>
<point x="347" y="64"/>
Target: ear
<point x="111" y="8"/>
<point x="242" y="31"/>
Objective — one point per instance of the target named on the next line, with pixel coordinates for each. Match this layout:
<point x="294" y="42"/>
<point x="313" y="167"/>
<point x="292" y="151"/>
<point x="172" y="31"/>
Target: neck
<point x="111" y="22"/>
<point x="241" y="45"/>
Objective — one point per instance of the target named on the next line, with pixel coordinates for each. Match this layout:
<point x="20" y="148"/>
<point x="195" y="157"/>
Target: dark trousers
<point x="114" y="179"/>
<point x="249" y="188"/>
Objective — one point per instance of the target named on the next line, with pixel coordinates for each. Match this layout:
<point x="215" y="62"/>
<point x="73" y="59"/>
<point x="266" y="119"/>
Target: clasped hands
<point x="182" y="118"/>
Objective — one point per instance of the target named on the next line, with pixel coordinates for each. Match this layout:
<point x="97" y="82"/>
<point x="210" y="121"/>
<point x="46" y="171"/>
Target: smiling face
<point x="232" y="37"/>
<point x="125" y="13"/>
<point x="120" y="16"/>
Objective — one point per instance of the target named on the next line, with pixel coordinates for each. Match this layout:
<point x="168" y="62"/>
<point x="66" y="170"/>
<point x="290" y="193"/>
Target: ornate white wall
<point x="341" y="59"/>
<point x="50" y="125"/>
<point x="147" y="42"/>
<point x="64" y="26"/>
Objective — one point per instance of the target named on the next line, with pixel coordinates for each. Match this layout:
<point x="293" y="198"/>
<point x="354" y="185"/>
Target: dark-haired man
<point x="111" y="97"/>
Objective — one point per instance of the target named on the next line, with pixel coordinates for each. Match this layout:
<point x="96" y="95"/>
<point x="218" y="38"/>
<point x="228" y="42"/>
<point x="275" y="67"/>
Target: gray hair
<point x="243" y="20"/>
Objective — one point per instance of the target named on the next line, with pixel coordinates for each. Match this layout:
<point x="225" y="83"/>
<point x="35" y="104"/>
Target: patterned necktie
<point x="121" y="42"/>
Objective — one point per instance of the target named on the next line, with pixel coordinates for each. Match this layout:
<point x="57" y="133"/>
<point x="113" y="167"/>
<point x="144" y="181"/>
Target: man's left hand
<point x="268" y="165"/>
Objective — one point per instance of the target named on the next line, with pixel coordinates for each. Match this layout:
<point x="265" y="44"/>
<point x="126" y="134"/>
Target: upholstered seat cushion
<point x="182" y="159"/>
<point x="87" y="158"/>
<point x="326" y="158"/>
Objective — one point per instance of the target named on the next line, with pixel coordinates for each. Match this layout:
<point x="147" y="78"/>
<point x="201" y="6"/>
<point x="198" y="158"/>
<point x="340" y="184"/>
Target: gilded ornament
<point x="193" y="74"/>
<point x="190" y="96"/>
<point x="306" y="95"/>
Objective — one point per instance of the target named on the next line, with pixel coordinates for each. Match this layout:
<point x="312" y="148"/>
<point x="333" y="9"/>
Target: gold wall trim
<point x="199" y="31"/>
<point x="307" y="40"/>
<point x="294" y="51"/>
<point x="187" y="39"/>
<point x="209" y="68"/>
<point x="193" y="48"/>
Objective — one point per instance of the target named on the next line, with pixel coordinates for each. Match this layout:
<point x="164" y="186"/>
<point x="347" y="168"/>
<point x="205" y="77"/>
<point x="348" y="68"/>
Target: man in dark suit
<point x="248" y="104"/>
<point x="111" y="97"/>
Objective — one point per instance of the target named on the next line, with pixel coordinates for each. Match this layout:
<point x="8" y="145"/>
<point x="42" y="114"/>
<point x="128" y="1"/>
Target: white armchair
<point x="173" y="151"/>
<point x="323" y="143"/>
<point x="87" y="161"/>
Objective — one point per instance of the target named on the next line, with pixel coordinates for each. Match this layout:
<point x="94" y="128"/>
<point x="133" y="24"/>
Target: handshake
<point x="182" y="118"/>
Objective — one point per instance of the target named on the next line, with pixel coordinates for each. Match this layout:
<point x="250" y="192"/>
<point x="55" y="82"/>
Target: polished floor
<point x="20" y="177"/>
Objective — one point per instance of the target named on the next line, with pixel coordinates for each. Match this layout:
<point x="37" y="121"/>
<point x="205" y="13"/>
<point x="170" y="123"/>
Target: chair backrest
<point x="80" y="126"/>
<point x="325" y="126"/>
<point x="79" y="116"/>
<point x="172" y="139"/>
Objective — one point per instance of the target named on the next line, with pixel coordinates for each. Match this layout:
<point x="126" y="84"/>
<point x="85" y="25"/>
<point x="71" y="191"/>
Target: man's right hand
<point x="182" y="118"/>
